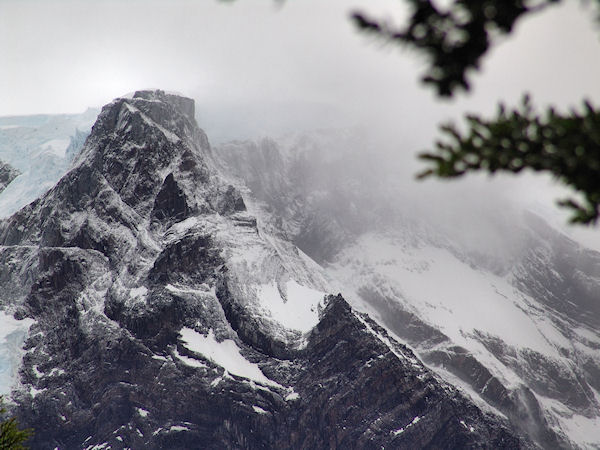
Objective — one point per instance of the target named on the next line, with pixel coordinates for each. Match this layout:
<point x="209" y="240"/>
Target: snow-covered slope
<point x="514" y="323"/>
<point x="12" y="335"/>
<point x="41" y="149"/>
<point x="510" y="315"/>
<point x="496" y="340"/>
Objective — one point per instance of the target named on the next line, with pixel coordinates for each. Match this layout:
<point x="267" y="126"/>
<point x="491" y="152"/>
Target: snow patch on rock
<point x="189" y="361"/>
<point x="291" y="304"/>
<point x="225" y="354"/>
<point x="12" y="335"/>
<point x="259" y="410"/>
<point x="403" y="429"/>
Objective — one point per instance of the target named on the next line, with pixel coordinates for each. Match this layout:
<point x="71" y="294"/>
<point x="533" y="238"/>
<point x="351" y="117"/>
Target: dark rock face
<point x="136" y="246"/>
<point x="7" y="174"/>
<point x="191" y="261"/>
<point x="377" y="406"/>
<point x="170" y="203"/>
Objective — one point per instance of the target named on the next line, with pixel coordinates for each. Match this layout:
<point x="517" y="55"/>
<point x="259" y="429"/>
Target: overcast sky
<point x="65" y="55"/>
<point x="263" y="67"/>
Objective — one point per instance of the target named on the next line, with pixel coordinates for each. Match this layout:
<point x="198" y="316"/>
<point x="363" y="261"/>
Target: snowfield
<point x="473" y="308"/>
<point x="449" y="293"/>
<point x="225" y="354"/>
<point x="41" y="148"/>
<point x="12" y="335"/>
<point x="291" y="304"/>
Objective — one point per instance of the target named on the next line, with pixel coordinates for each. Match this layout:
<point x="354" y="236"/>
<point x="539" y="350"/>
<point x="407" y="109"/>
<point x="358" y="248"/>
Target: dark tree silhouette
<point x="455" y="40"/>
<point x="11" y="436"/>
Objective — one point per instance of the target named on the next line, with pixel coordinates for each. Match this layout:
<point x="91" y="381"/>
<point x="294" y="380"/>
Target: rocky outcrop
<point x="7" y="174"/>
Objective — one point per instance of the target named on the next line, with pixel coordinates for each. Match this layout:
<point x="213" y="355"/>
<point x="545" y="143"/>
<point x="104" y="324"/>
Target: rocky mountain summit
<point x="165" y="314"/>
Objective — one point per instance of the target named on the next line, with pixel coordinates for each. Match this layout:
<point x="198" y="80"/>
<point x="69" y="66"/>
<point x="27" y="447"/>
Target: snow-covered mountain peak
<point x="149" y="131"/>
<point x="145" y="194"/>
<point x="170" y="312"/>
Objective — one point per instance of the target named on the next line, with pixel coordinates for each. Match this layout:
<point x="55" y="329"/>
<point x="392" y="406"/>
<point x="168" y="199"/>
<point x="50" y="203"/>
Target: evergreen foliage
<point x="567" y="146"/>
<point x="11" y="437"/>
<point x="455" y="39"/>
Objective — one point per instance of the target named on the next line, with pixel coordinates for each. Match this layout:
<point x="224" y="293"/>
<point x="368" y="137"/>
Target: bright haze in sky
<point x="267" y="67"/>
<point x="65" y="55"/>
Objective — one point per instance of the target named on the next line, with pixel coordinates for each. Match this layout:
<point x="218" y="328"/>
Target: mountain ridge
<point x="142" y="259"/>
<point x="513" y="328"/>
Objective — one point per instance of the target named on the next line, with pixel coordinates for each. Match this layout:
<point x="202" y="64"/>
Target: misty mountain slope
<point x="41" y="149"/>
<point x="508" y="348"/>
<point x="318" y="187"/>
<point x="511" y="318"/>
<point x="163" y="314"/>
